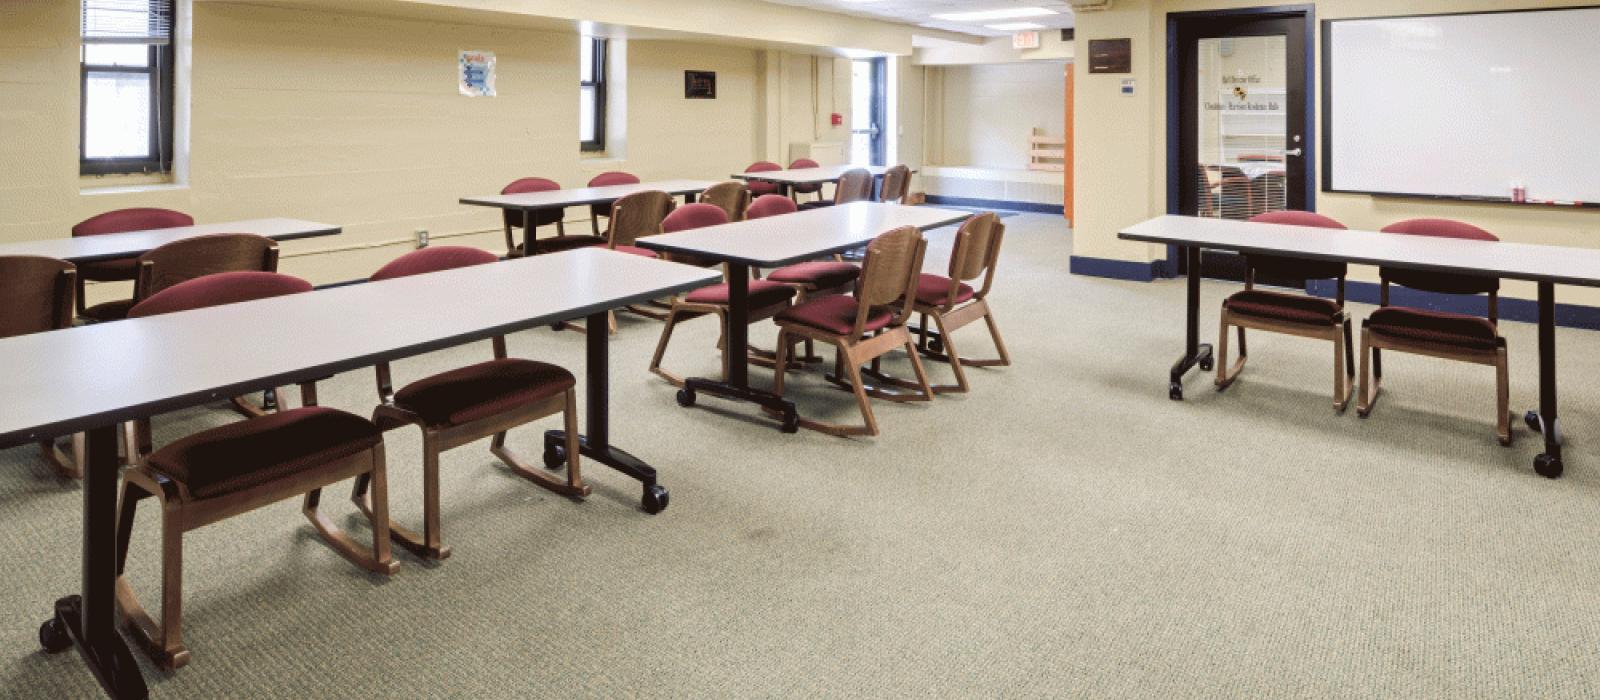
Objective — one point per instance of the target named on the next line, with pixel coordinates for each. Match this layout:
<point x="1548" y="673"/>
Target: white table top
<point x="133" y="243"/>
<point x="807" y="176"/>
<point x="65" y="381"/>
<point x="774" y="241"/>
<point x="555" y="199"/>
<point x="1521" y="261"/>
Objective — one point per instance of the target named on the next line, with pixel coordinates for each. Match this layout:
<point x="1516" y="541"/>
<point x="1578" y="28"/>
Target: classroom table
<point x="91" y="378"/>
<point x="530" y="202"/>
<point x="110" y="246"/>
<point x="776" y="241"/>
<point x="1544" y="265"/>
<point x="787" y="179"/>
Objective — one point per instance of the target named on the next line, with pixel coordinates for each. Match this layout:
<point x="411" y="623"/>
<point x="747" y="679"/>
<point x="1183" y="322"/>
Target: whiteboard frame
<point x="1327" y="111"/>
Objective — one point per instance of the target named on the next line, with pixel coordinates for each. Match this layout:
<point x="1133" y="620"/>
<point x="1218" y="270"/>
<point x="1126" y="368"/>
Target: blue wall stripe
<point x="1525" y="310"/>
<point x="997" y="204"/>
<point x="1114" y="269"/>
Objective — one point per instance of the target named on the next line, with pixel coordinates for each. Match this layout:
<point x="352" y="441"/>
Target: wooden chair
<point x="853" y="186"/>
<point x="770" y="205"/>
<point x="953" y="304"/>
<point x="1225" y="192"/>
<point x="809" y="188"/>
<point x="187" y="259"/>
<point x="38" y="294"/>
<point x="240" y="467"/>
<point x="1290" y="314"/>
<point x="896" y="185"/>
<point x="531" y="243"/>
<point x="1441" y="334"/>
<point x="465" y="405"/>
<point x="759" y="188"/>
<point x="864" y="326"/>
<point x="731" y="196"/>
<point x="604" y="208"/>
<point x="120" y="221"/>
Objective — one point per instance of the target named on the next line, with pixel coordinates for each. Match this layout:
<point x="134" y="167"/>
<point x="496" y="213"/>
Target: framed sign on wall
<point x="699" y="85"/>
<point x="1110" y="55"/>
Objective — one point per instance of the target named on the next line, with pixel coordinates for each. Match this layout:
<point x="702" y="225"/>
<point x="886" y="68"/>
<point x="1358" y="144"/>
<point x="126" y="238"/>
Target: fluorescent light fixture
<point x="986" y="15"/>
<point x="1015" y="26"/>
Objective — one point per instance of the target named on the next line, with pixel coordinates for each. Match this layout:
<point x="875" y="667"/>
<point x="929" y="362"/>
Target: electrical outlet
<point x="422" y="238"/>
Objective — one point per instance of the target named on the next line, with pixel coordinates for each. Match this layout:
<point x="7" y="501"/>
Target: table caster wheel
<point x="655" y="499"/>
<point x="685" y="397"/>
<point x="555" y="457"/>
<point x="791" y="424"/>
<point x="53" y="636"/>
<point x="1175" y="391"/>
<point x="1531" y="418"/>
<point x="1548" y="466"/>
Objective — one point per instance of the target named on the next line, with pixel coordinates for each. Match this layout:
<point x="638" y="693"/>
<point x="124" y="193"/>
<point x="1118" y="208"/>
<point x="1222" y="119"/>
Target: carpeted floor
<point x="1064" y="531"/>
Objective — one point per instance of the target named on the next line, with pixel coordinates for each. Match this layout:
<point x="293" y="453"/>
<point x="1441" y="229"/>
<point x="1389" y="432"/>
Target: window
<point x="125" y="86"/>
<point x="592" y="95"/>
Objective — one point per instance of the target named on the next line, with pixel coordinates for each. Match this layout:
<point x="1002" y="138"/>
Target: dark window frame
<point x="598" y="143"/>
<point x="160" y="69"/>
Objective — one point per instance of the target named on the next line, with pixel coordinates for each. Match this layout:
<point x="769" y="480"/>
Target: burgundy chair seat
<point x="818" y="275"/>
<point x="557" y="244"/>
<point x="763" y="293"/>
<point x="114" y="270"/>
<point x="114" y="310"/>
<point x="259" y="450"/>
<point x="1436" y="327"/>
<point x="636" y="250"/>
<point x="934" y="290"/>
<point x="219" y="289"/>
<point x="1278" y="306"/>
<point x="834" y="314"/>
<point x="482" y="390"/>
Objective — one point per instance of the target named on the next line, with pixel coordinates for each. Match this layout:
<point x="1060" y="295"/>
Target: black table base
<point x="1195" y="353"/>
<point x="737" y="386"/>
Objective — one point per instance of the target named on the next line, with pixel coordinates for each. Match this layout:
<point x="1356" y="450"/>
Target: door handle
<point x="1296" y="152"/>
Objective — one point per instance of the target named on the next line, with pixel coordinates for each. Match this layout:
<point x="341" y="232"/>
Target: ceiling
<point x="920" y="12"/>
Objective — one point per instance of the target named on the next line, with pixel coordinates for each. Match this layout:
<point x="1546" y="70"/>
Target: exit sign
<point x="1025" y="40"/>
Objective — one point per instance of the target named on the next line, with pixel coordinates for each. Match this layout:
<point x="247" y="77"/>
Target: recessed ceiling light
<point x="986" y="15"/>
<point x="1014" y="26"/>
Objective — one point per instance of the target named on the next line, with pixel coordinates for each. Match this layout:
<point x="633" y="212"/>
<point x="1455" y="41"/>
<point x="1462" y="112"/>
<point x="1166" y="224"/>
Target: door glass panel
<point x="861" y="112"/>
<point x="1243" y="126"/>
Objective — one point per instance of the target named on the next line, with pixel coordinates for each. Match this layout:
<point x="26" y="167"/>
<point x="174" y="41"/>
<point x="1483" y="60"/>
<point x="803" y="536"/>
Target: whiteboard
<point x="1464" y="106"/>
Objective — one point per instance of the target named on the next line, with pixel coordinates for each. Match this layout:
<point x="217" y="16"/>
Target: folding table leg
<point x="1548" y="463"/>
<point x="89" y="620"/>
<point x="596" y="444"/>
<point x="1195" y="353"/>
<point x="737" y="387"/>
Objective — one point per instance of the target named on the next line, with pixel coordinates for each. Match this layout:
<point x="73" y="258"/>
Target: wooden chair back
<point x="854" y="186"/>
<point x="190" y="258"/>
<point x="38" y="294"/>
<point x="889" y="274"/>
<point x="636" y="216"/>
<point x="896" y="185"/>
<point x="976" y="251"/>
<point x="732" y="196"/>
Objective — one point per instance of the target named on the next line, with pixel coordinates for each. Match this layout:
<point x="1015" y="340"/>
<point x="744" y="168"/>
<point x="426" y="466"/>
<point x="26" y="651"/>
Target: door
<point x="868" y="111"/>
<point x="1238" y="83"/>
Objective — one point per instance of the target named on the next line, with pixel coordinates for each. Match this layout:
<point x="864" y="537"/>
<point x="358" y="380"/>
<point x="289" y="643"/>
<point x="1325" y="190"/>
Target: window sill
<point x="132" y="189"/>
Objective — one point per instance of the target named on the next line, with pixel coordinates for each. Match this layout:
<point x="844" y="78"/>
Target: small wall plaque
<point x="1110" y="55"/>
<point x="700" y="85"/>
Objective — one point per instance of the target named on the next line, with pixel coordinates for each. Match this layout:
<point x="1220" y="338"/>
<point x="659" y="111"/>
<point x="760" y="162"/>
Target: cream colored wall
<point x="355" y="120"/>
<point x="1120" y="144"/>
<point x="991" y="110"/>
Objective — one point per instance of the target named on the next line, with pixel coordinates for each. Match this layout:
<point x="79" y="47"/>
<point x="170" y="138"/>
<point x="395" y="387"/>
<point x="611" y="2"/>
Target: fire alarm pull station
<point x="837" y="118"/>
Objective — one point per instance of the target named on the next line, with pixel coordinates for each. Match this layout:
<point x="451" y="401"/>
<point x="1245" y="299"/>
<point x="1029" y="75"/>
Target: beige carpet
<point x="1064" y="531"/>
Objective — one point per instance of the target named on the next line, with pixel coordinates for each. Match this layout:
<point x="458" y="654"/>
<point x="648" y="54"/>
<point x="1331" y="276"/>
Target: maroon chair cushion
<point x="435" y="259"/>
<point x="542" y="217"/>
<point x="122" y="221"/>
<point x="1278" y="306"/>
<point x="252" y="452"/>
<point x="763" y="293"/>
<point x="934" y="290"/>
<point x="636" y="250"/>
<point x="1441" y="282"/>
<point x="806" y="163"/>
<point x="1436" y="327"/>
<point x="770" y="205"/>
<point x="557" y="244"/>
<point x="692" y="216"/>
<point x="834" y="314"/>
<point x="605" y="179"/>
<point x="482" y="390"/>
<point x="216" y="290"/>
<point x="757" y="187"/>
<point x="817" y="275"/>
<point x="1296" y="218"/>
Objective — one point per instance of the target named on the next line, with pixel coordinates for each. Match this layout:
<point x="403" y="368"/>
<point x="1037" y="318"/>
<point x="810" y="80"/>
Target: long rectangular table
<point x="530" y="202"/>
<point x="91" y="378"/>
<point x="787" y="179"/>
<point x="776" y="241"/>
<point x="1544" y="265"/>
<point x="111" y="246"/>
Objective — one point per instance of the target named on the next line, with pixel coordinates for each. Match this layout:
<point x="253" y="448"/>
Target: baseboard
<point x="1524" y="310"/>
<point x="997" y="204"/>
<point x="1114" y="269"/>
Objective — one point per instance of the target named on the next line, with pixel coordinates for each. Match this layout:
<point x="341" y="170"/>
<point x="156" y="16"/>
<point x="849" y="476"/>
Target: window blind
<point x="127" y="21"/>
